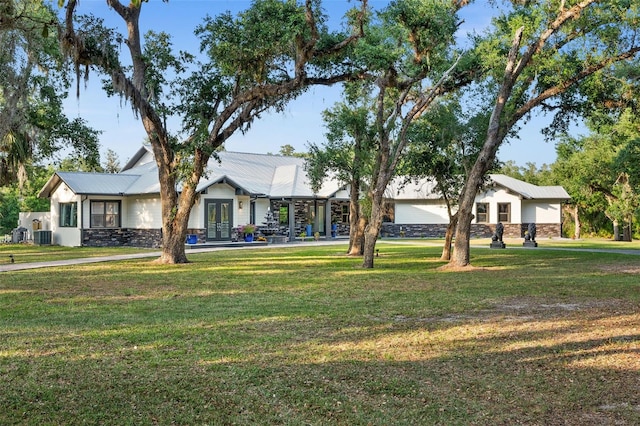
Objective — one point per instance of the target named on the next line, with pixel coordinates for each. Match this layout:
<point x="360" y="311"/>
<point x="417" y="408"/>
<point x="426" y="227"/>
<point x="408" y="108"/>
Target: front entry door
<point x="219" y="220"/>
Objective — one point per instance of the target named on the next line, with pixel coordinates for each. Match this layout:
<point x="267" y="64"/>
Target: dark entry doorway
<point x="219" y="219"/>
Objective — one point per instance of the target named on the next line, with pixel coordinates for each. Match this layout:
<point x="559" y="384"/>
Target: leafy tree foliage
<point x="443" y="144"/>
<point x="32" y="86"/>
<point x="111" y="163"/>
<point x="347" y="155"/>
<point x="288" y="150"/>
<point x="600" y="172"/>
<point x="530" y="172"/>
<point x="412" y="63"/>
<point x="15" y="199"/>
<point x="9" y="210"/>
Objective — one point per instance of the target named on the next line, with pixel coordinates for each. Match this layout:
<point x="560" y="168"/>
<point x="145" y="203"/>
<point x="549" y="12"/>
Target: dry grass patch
<point x="621" y="269"/>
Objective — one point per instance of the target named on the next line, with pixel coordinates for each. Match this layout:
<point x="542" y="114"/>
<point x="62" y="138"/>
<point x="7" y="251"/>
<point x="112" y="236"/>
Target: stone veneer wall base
<point x="478" y="230"/>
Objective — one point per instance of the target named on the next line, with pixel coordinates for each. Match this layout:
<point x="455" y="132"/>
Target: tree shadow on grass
<point x="526" y="361"/>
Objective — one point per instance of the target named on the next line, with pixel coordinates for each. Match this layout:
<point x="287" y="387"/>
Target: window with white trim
<point x="105" y="214"/>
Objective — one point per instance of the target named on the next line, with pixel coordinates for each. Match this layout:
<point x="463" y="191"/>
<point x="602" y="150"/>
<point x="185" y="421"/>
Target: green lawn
<point x="302" y="335"/>
<point x="28" y="253"/>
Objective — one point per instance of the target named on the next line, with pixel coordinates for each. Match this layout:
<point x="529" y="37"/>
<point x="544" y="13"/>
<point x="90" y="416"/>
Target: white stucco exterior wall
<point x="261" y="207"/>
<point x="64" y="236"/>
<point x="420" y="212"/>
<point x="241" y="216"/>
<point x="142" y="212"/>
<point x="25" y="220"/>
<point x="541" y="211"/>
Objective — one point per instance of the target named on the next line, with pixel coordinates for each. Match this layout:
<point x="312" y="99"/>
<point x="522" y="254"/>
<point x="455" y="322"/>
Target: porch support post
<point x="327" y="219"/>
<point x="292" y="220"/>
<point x="316" y="219"/>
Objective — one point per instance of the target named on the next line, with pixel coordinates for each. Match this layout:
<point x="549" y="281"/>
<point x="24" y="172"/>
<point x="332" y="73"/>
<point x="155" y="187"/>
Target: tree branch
<point x="562" y="87"/>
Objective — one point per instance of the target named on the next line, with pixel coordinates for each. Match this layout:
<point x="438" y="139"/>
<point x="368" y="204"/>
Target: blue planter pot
<point x="248" y="238"/>
<point x="309" y="230"/>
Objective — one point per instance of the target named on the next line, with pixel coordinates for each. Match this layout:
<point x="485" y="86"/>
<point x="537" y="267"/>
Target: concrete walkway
<point x="8" y="267"/>
<point x="193" y="249"/>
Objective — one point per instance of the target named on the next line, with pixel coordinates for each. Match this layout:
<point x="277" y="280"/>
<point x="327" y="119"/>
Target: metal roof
<point x="91" y="183"/>
<point x="530" y="191"/>
<point x="424" y="189"/>
<point x="260" y="175"/>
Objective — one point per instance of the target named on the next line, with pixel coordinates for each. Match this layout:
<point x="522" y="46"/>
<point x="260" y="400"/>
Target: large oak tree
<point x="250" y="63"/>
<point x="420" y="64"/>
<point x="543" y="55"/>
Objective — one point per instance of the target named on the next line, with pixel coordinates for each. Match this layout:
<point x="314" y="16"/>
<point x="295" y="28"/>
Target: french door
<point x="219" y="219"/>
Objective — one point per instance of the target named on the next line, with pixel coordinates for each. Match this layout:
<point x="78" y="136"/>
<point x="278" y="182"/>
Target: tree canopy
<point x="33" y="84"/>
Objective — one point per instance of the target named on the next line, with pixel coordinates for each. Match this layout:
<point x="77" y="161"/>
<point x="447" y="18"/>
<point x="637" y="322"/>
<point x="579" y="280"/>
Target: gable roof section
<point x="90" y="183"/>
<point x="424" y="189"/>
<point x="142" y="156"/>
<point x="222" y="179"/>
<point x="529" y="191"/>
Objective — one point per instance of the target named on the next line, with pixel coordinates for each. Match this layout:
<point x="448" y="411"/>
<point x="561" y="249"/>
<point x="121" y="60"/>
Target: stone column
<point x="292" y="220"/>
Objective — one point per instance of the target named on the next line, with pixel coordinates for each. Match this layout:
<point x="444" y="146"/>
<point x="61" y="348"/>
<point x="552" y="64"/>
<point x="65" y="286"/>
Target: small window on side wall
<point x="68" y="215"/>
<point x="482" y="213"/>
<point x="504" y="212"/>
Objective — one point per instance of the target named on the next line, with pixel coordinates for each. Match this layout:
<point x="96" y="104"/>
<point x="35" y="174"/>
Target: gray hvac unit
<point x="41" y="237"/>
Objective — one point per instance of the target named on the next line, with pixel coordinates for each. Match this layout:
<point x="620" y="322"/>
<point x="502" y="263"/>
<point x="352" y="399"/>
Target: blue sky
<point x="298" y="125"/>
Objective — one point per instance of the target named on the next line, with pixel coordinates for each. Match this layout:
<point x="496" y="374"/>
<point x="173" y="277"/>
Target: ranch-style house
<point x="123" y="209"/>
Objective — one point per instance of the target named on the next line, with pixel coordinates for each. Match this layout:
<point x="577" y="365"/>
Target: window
<point x="68" y="215"/>
<point x="504" y="212"/>
<point x="105" y="214"/>
<point x="482" y="213"/>
<point x="345" y="213"/>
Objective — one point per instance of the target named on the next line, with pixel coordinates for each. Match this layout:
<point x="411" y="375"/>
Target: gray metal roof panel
<point x="261" y="174"/>
<point x="423" y="189"/>
<point x="98" y="183"/>
<point x="530" y="191"/>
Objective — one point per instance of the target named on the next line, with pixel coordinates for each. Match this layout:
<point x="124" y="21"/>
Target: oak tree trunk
<point x="372" y="231"/>
<point x="448" y="237"/>
<point x="357" y="221"/>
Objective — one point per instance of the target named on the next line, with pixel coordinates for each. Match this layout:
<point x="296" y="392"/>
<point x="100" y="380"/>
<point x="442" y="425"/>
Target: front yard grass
<point x="303" y="335"/>
<point x="29" y="253"/>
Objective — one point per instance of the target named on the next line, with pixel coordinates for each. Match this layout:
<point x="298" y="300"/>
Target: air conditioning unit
<point x="41" y="237"/>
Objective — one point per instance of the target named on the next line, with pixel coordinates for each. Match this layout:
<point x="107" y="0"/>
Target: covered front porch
<point x="304" y="218"/>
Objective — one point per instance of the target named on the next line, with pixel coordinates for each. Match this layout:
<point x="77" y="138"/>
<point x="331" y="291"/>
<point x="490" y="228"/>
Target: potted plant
<point x="248" y="231"/>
